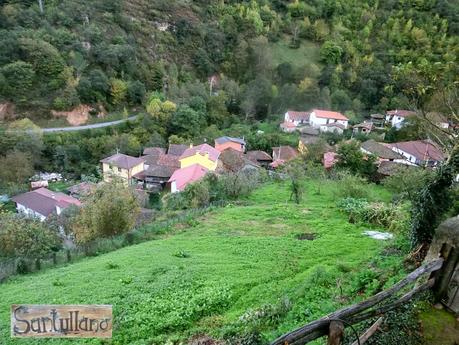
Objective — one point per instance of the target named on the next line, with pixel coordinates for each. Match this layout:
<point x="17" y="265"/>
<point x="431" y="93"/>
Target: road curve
<point x="82" y="128"/>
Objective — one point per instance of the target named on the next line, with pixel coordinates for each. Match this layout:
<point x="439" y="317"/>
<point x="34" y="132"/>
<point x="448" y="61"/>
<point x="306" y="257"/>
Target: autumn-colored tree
<point x="111" y="210"/>
<point x="25" y="237"/>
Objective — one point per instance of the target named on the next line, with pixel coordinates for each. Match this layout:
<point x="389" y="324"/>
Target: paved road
<point x="81" y="128"/>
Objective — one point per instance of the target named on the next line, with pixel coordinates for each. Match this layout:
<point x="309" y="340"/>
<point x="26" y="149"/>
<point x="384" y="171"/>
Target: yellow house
<point x="204" y="155"/>
<point x="121" y="166"/>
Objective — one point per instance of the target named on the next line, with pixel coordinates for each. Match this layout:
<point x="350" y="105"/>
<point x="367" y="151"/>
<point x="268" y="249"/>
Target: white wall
<point x="174" y="187"/>
<point x="29" y="213"/>
<point x="316" y="122"/>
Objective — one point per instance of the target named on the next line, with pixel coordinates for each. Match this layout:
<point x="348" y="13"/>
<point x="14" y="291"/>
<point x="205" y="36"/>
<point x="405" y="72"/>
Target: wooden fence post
<point x="335" y="333"/>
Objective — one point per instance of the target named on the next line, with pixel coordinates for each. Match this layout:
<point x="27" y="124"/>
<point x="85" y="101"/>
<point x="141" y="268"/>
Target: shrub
<point x="352" y="186"/>
<point x="394" y="218"/>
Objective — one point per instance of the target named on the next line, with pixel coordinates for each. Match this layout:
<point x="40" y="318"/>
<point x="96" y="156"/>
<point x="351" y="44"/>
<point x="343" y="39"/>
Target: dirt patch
<point x="307" y="236"/>
<point x="75" y="117"/>
<point x="7" y="111"/>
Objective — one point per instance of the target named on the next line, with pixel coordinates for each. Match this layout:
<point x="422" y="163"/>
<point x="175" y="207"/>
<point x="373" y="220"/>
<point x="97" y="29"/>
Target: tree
<point x="187" y="121"/>
<point x="136" y="92"/>
<point x="407" y="181"/>
<point x="19" y="77"/>
<point x="118" y="91"/>
<point x="16" y="168"/>
<point x="111" y="210"/>
<point x="351" y="157"/>
<point x="295" y="171"/>
<point x="330" y="52"/>
<point x="25" y="237"/>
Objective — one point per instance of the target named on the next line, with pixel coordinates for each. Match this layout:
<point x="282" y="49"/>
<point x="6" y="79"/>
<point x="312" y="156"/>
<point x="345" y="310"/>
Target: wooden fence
<point x="333" y="324"/>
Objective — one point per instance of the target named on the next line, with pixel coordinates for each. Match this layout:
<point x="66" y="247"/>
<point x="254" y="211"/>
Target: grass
<point x="439" y="327"/>
<point x="60" y="186"/>
<point x="232" y="262"/>
<point x="308" y="52"/>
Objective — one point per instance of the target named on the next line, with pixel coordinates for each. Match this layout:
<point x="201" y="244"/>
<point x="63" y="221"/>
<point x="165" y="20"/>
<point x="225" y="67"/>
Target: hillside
<point x="271" y="54"/>
<point x="237" y="263"/>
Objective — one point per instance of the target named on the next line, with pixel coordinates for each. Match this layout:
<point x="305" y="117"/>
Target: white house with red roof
<point x="294" y="119"/>
<point x="42" y="202"/>
<point x="397" y="117"/>
<point x="319" y="118"/>
<point x="184" y="176"/>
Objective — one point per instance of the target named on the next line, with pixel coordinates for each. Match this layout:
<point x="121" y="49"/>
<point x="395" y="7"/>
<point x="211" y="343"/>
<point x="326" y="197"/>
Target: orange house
<point x="224" y="143"/>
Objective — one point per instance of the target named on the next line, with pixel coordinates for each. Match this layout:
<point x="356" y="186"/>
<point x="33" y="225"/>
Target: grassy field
<point x="233" y="270"/>
<point x="308" y="52"/>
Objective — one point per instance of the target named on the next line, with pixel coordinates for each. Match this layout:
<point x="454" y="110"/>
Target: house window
<point x="119" y="170"/>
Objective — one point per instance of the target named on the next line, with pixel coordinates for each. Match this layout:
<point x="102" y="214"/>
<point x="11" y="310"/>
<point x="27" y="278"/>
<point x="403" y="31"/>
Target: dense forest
<point x="59" y="54"/>
<point x="199" y="69"/>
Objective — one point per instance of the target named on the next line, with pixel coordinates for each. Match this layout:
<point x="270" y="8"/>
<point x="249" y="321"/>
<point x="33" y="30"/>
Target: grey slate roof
<point x="225" y="139"/>
<point x="123" y="161"/>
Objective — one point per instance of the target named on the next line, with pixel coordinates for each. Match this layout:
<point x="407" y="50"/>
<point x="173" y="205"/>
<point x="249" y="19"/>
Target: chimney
<point x="191" y="145"/>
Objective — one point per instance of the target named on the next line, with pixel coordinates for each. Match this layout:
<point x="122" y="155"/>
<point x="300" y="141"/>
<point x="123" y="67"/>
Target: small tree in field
<point x="295" y="171"/>
<point x="111" y="210"/>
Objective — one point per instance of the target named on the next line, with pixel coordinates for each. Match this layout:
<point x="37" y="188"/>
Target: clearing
<point x="238" y="261"/>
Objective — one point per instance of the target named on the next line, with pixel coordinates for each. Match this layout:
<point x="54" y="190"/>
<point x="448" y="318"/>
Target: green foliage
<point x="25" y="237"/>
<point x="234" y="273"/>
<point x="352" y="186"/>
<point x="112" y="209"/>
<point x="351" y="157"/>
<point x="407" y="182"/>
<point x="18" y="78"/>
<point x="394" y="218"/>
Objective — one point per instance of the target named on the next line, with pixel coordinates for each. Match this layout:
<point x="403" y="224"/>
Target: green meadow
<point x="267" y="266"/>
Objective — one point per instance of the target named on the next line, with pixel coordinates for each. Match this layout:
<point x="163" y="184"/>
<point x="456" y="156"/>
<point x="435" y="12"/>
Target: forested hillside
<point x="349" y="55"/>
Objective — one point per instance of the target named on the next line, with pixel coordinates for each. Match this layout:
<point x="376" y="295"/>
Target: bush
<point x="394" y="218"/>
<point x="352" y="186"/>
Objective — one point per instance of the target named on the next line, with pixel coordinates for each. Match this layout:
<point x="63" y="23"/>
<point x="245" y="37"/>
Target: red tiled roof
<point x="298" y="115"/>
<point x="402" y="113"/>
<point x="202" y="150"/>
<point x="284" y="153"/>
<point x="287" y="124"/>
<point x="328" y="114"/>
<point x="256" y="156"/>
<point x="123" y="161"/>
<point x="423" y="150"/>
<point x="330" y="159"/>
<point x="44" y="201"/>
<point x="185" y="176"/>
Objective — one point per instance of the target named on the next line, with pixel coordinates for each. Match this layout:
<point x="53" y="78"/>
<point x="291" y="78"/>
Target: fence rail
<point x="361" y="311"/>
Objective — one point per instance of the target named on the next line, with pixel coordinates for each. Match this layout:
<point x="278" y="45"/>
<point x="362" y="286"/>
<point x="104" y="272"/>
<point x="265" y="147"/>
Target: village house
<point x="121" y="166"/>
<point x="294" y="119"/>
<point x="420" y="152"/>
<point x="235" y="161"/>
<point x="177" y="149"/>
<point x="319" y="118"/>
<point x="224" y="143"/>
<point x="261" y="158"/>
<point x="82" y="189"/>
<point x="155" y="177"/>
<point x="282" y="155"/>
<point x="396" y="118"/>
<point x="381" y="151"/>
<point x="336" y="128"/>
<point x="363" y="128"/>
<point x="42" y="202"/>
<point x="378" y="120"/>
<point x="184" y="176"/>
<point x="203" y="154"/>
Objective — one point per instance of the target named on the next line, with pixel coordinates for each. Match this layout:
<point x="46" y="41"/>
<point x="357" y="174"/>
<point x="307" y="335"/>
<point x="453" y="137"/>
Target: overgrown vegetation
<point x="251" y="280"/>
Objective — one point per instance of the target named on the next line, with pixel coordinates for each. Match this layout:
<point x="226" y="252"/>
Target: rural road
<point x="81" y="128"/>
